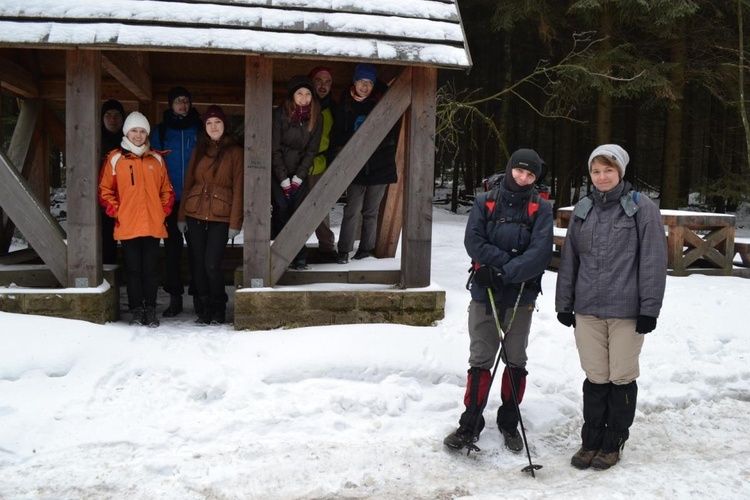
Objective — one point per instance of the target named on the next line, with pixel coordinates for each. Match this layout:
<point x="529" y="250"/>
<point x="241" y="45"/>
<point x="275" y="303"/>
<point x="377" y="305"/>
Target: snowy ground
<point x="347" y="412"/>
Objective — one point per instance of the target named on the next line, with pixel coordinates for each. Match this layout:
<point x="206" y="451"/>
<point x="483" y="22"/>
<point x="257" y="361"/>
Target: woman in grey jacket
<point x="610" y="287"/>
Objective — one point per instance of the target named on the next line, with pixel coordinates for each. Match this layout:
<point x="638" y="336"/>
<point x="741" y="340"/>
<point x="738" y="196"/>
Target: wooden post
<point x="391" y="216"/>
<point x="416" y="251"/>
<point x="257" y="222"/>
<point x="82" y="96"/>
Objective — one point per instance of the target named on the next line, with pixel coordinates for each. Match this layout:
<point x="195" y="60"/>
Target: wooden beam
<point x="83" y="80"/>
<point x="391" y="215"/>
<point x="340" y="173"/>
<point x="130" y="72"/>
<point x="18" y="80"/>
<point x="257" y="189"/>
<point x="416" y="250"/>
<point x="41" y="230"/>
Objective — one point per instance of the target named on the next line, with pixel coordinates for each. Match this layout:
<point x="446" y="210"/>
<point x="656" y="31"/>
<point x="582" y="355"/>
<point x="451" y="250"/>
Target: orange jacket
<point x="136" y="191"/>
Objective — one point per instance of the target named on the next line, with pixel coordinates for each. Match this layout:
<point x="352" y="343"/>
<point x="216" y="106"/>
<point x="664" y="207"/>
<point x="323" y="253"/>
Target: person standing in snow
<point x="610" y="287"/>
<point x="295" y="139"/>
<point x="322" y="80"/>
<point x="177" y="134"/>
<point x="113" y="115"/>
<point x="509" y="239"/>
<point x="136" y="191"/>
<point x="364" y="194"/>
<point x="212" y="210"/>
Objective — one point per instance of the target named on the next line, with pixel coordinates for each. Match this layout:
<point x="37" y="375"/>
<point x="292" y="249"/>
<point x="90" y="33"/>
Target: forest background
<point x="666" y="79"/>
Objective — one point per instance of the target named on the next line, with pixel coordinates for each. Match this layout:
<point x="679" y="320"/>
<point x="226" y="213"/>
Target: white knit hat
<point x="613" y="151"/>
<point x="135" y="119"/>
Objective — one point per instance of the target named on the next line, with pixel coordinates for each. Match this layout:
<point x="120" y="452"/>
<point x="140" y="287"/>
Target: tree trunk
<point x="670" y="180"/>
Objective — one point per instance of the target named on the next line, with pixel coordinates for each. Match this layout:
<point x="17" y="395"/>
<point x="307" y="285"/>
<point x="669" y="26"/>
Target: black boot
<point x="138" y="318"/>
<point x="149" y="317"/>
<point x="174" y="308"/>
<point x="507" y="414"/>
<point x="476" y="391"/>
<point x="594" y="422"/>
<point x="198" y="305"/>
<point x="621" y="403"/>
<point x="218" y="317"/>
<point x="204" y="318"/>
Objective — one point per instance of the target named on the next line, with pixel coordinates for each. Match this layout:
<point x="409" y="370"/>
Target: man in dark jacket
<point x="113" y="115"/>
<point x="509" y="238"/>
<point x="177" y="134"/>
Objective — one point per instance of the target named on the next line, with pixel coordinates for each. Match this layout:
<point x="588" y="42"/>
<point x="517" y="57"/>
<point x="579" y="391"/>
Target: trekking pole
<point x="470" y="444"/>
<point x="531" y="467"/>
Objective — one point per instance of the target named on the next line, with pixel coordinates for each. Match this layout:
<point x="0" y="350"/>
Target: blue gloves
<point x="489" y="277"/>
<point x="567" y="319"/>
<point x="645" y="324"/>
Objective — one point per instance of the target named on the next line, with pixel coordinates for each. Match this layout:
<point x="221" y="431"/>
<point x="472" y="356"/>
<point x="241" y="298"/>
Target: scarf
<point x="356" y="96"/>
<point x="300" y="114"/>
<point x="136" y="150"/>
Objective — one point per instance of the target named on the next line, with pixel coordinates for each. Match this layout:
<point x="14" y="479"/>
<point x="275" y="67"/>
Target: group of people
<point x="184" y="178"/>
<point x="610" y="287"/>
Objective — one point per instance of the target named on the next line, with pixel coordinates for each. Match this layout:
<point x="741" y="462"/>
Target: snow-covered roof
<point x="414" y="32"/>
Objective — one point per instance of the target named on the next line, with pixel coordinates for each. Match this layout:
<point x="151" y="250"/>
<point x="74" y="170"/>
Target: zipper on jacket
<point x="132" y="178"/>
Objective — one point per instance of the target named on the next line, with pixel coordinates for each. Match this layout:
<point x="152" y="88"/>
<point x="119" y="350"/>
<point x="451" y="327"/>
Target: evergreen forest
<point x="665" y="79"/>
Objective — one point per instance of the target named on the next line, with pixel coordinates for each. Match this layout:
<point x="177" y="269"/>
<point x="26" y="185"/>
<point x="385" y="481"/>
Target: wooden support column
<point x="257" y="221"/>
<point x="391" y="216"/>
<point x="82" y="96"/>
<point x="416" y="250"/>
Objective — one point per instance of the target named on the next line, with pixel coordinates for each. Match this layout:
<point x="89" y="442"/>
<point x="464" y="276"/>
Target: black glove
<point x="489" y="277"/>
<point x="567" y="319"/>
<point x="645" y="324"/>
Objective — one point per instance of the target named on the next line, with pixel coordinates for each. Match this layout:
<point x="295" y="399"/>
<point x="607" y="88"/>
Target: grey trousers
<point x="609" y="349"/>
<point x="485" y="340"/>
<point x="364" y="200"/>
<point x="326" y="238"/>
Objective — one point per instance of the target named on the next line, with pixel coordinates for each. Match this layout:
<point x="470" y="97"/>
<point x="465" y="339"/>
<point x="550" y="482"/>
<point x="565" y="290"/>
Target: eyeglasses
<point x="182" y="100"/>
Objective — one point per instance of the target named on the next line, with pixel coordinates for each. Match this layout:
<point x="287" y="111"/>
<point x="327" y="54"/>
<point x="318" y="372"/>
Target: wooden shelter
<point x="63" y="58"/>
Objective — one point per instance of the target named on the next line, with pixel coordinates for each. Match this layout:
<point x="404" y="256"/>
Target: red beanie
<point x="214" y="111"/>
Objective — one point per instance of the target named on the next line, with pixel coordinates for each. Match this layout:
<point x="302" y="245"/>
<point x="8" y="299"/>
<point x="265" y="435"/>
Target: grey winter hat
<point x="615" y="153"/>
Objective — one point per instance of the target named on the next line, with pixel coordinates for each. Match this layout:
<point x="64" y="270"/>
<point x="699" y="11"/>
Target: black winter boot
<point x="507" y="414"/>
<point x="204" y="318"/>
<point x="476" y="391"/>
<point x="175" y="306"/>
<point x="198" y="305"/>
<point x="138" y="318"/>
<point x="218" y="317"/>
<point x="621" y="403"/>
<point x="149" y="317"/>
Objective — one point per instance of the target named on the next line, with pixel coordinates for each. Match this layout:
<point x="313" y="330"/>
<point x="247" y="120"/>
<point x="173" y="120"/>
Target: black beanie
<point x="176" y="92"/>
<point x="113" y="104"/>
<point x="297" y="82"/>
<point x="526" y="159"/>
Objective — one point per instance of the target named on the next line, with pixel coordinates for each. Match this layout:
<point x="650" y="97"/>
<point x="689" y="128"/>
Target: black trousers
<point x="109" y="245"/>
<point x="282" y="210"/>
<point x="141" y="257"/>
<point x="208" y="240"/>
<point x="173" y="282"/>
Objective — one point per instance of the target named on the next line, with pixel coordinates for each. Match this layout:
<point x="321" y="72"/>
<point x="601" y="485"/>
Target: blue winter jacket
<point x="520" y="245"/>
<point x="179" y="138"/>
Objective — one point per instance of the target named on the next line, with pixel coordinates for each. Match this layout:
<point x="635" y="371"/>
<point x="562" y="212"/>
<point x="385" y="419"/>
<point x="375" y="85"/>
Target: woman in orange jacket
<point x="135" y="190"/>
<point x="211" y="210"/>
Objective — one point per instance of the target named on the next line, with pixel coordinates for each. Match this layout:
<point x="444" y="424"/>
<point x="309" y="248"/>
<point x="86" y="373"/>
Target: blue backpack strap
<point x="629" y="202"/>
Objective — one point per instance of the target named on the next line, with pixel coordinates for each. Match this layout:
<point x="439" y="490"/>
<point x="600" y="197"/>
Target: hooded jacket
<point x="613" y="265"/>
<point x="293" y="146"/>
<point x="136" y="191"/>
<point x="213" y="192"/>
<point x="176" y="136"/>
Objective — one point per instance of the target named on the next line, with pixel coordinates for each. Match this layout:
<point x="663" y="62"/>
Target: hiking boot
<point x="198" y="305"/>
<point x="342" y="257"/>
<point x="175" y="307"/>
<point x="582" y="459"/>
<point x="206" y="314"/>
<point x="149" y="317"/>
<point x="513" y="440"/>
<point x="605" y="459"/>
<point x="363" y="254"/>
<point x="298" y="264"/>
<point x="459" y="439"/>
<point x="138" y="318"/>
<point x="328" y="256"/>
